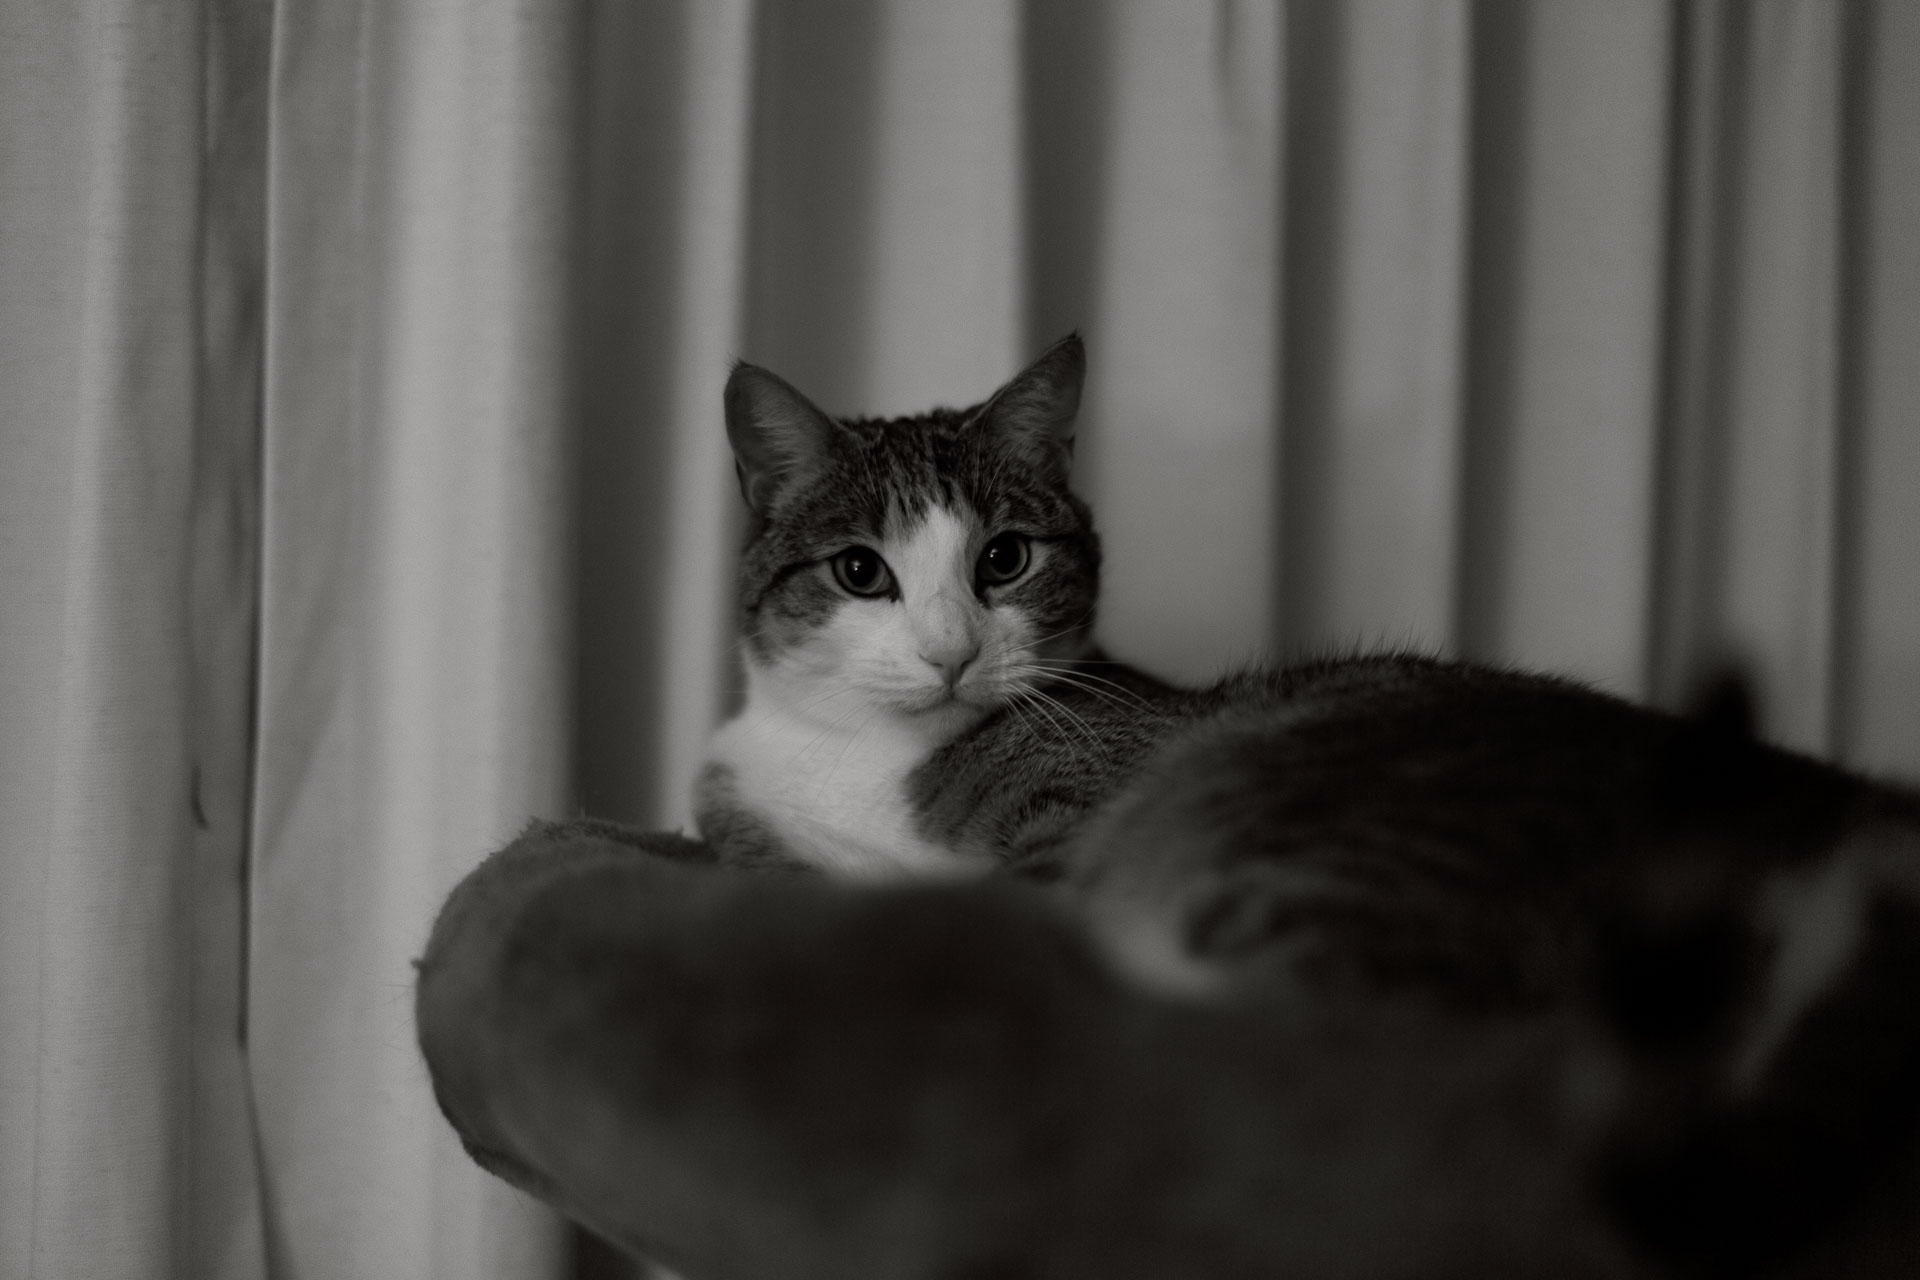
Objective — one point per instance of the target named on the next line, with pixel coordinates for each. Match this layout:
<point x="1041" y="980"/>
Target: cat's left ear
<point x="1035" y="411"/>
<point x="779" y="439"/>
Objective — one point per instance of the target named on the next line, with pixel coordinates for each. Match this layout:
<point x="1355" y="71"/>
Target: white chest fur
<point x="835" y="793"/>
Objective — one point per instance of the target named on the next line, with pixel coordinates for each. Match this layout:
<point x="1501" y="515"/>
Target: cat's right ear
<point x="1035" y="411"/>
<point x="779" y="439"/>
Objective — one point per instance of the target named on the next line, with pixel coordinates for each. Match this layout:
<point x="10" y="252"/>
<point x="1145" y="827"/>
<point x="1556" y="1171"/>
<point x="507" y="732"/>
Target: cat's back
<point x="1407" y="820"/>
<point x="1526" y="768"/>
<point x="1391" y="747"/>
<point x="1253" y="753"/>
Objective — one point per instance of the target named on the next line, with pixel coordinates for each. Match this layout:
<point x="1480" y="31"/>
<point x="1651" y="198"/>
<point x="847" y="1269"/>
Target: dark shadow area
<point x="1067" y="45"/>
<point x="809" y="225"/>
<point x="1496" y="220"/>
<point x="1706" y="176"/>
<point x="595" y="1259"/>
<point x="1853" y="323"/>
<point x="1312" y="210"/>
<point x="633" y="126"/>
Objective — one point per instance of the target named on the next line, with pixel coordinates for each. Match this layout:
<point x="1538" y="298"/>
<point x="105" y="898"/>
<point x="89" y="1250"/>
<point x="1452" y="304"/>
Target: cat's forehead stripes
<point x="899" y="469"/>
<point x="878" y="469"/>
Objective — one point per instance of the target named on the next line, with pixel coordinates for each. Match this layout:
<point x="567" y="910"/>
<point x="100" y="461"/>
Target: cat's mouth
<point x="949" y="700"/>
<point x="939" y="700"/>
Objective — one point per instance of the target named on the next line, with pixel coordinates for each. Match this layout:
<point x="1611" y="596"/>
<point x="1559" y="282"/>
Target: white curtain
<point x="130" y="299"/>
<point x="363" y="490"/>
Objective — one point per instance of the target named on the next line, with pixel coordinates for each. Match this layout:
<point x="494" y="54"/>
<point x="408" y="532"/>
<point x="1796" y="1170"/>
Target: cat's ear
<point x="1035" y="411"/>
<point x="779" y="439"/>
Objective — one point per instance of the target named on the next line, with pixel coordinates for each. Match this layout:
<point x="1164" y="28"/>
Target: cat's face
<point x="928" y="567"/>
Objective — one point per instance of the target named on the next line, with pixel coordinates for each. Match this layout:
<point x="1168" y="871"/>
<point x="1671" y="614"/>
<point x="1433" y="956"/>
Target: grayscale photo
<point x="959" y="639"/>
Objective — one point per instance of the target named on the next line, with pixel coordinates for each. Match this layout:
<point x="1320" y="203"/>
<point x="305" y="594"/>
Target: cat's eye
<point x="860" y="571"/>
<point x="1004" y="559"/>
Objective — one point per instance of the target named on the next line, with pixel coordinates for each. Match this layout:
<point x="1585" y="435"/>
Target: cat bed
<point x="762" y="1074"/>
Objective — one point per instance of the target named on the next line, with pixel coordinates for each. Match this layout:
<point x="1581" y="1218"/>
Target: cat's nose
<point x="951" y="660"/>
<point x="947" y="634"/>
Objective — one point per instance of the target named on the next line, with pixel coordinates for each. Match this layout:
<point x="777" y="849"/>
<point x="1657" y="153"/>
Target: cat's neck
<point x="825" y="770"/>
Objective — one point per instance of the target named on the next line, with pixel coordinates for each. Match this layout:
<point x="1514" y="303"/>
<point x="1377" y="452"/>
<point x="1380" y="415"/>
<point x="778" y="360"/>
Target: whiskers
<point x="1067" y="671"/>
<point x="833" y="727"/>
<point x="836" y="713"/>
<point x="847" y="746"/>
<point x="1062" y="717"/>
<point x="1027" y="684"/>
<point x="1081" y="624"/>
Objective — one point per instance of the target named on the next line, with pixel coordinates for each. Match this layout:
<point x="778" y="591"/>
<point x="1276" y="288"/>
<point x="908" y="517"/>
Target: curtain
<point x="363" y="490"/>
<point x="131" y="173"/>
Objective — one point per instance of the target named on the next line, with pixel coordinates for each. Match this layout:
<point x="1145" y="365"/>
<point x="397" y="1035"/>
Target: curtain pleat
<point x="414" y="664"/>
<point x="661" y="290"/>
<point x="1773" y="602"/>
<point x="1373" y="417"/>
<point x="884" y="252"/>
<point x="1562" y="350"/>
<point x="1770" y="472"/>
<point x="709" y="244"/>
<point x="223" y="1178"/>
<point x="1182" y="322"/>
<point x="365" y="492"/>
<point x="129" y="293"/>
<point x="1880" y="566"/>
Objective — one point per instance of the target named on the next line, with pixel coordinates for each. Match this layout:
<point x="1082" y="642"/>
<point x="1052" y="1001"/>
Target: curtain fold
<point x="1562" y="351"/>
<point x="129" y="350"/>
<point x="1183" y="323"/>
<point x="364" y="491"/>
<point x="414" y="668"/>
<point x="1879" y="699"/>
<point x="1373" y="423"/>
<point x="662" y="280"/>
<point x="1754" y="438"/>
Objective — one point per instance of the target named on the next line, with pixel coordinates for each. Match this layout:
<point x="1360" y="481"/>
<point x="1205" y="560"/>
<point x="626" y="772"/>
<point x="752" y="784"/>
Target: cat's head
<point x="928" y="566"/>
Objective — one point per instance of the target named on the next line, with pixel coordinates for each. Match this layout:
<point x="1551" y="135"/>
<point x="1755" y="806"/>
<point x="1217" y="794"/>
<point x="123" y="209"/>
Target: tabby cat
<point x="924" y="696"/>
<point x="907" y="585"/>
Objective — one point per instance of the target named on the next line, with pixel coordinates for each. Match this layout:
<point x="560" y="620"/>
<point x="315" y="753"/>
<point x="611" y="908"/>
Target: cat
<point x="925" y="697"/>
<point x="1413" y="967"/>
<point x="917" y="599"/>
<point x="905" y="583"/>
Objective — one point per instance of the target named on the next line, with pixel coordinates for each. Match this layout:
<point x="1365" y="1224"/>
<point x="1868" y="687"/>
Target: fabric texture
<point x="363" y="489"/>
